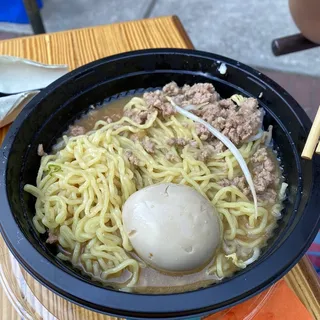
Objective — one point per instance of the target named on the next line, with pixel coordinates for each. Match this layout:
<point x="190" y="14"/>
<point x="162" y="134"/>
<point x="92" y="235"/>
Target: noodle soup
<point x="135" y="142"/>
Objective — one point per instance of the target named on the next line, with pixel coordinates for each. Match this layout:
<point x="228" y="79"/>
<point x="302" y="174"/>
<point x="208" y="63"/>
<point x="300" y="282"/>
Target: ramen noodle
<point x="118" y="149"/>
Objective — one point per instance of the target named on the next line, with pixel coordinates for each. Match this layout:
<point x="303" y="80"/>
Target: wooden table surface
<point x="75" y="48"/>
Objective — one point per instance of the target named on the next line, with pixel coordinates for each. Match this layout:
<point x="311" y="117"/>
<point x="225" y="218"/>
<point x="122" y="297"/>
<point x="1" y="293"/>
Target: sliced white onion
<point x="228" y="144"/>
<point x="228" y="249"/>
<point x="195" y="107"/>
<point x="243" y="264"/>
<point x="58" y="146"/>
<point x="190" y="107"/>
<point x="269" y="137"/>
<point x="257" y="136"/>
<point x="262" y="114"/>
<point x="254" y="257"/>
<point x="234" y="258"/>
<point x="283" y="189"/>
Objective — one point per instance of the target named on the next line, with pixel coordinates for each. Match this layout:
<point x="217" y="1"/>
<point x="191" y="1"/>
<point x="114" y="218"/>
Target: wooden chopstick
<point x="318" y="148"/>
<point x="313" y="138"/>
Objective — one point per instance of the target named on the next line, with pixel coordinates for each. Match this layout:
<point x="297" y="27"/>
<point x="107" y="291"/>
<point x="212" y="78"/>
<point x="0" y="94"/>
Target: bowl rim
<point x="132" y="305"/>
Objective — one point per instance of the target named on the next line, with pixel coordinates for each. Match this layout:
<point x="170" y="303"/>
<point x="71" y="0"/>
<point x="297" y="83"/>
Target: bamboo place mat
<point x="75" y="48"/>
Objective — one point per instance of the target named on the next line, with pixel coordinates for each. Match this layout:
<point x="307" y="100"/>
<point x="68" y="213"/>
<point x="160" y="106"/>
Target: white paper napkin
<point x="11" y="106"/>
<point x="22" y="79"/>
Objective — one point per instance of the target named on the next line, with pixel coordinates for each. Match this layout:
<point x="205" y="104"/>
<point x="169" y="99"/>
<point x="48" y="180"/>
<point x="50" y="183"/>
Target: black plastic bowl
<point x="45" y="118"/>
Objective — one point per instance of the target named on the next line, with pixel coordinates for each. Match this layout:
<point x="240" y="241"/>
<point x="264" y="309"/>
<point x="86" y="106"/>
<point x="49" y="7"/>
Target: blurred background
<point x="242" y="30"/>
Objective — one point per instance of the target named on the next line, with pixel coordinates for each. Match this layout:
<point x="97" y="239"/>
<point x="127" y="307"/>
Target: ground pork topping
<point x="148" y="145"/>
<point x="171" y="89"/>
<point x="156" y="99"/>
<point x="244" y="123"/>
<point x="52" y="238"/>
<point x="40" y="150"/>
<point x="170" y="156"/>
<point x="108" y="119"/>
<point x="138" y="116"/>
<point x="269" y="195"/>
<point x="205" y="152"/>
<point x="239" y="182"/>
<point x="202" y="131"/>
<point x="265" y="177"/>
<point x="193" y="143"/>
<point x="236" y="123"/>
<point x="77" y="130"/>
<point x="209" y="150"/>
<point x="177" y="142"/>
<point x="131" y="157"/>
<point x="263" y="170"/>
<point x="200" y="93"/>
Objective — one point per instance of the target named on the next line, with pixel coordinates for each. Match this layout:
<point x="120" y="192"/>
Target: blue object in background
<point x="14" y="11"/>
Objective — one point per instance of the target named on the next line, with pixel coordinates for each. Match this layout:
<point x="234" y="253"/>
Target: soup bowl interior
<point x="50" y="113"/>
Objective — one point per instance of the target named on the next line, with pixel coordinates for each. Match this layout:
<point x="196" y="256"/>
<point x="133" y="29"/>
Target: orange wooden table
<point x="75" y="48"/>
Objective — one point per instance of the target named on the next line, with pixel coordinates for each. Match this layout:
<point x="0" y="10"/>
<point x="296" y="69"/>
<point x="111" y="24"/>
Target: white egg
<point x="172" y="227"/>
